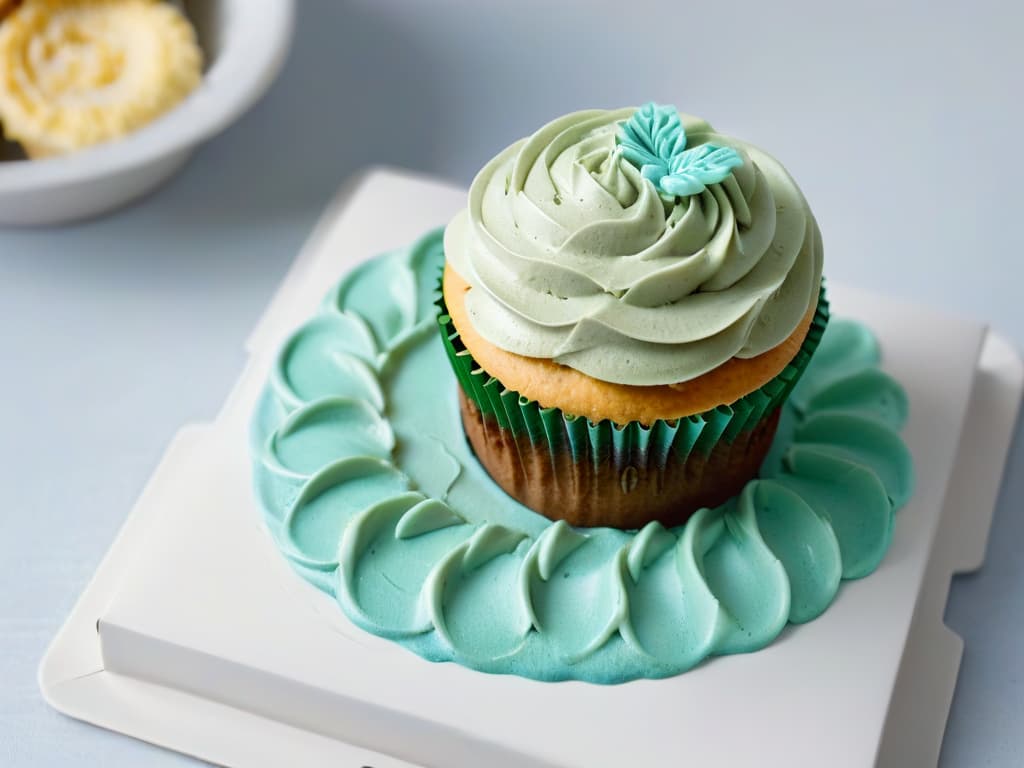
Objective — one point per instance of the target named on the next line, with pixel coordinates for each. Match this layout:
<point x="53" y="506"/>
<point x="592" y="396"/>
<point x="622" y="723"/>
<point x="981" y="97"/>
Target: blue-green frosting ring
<point x="369" y="489"/>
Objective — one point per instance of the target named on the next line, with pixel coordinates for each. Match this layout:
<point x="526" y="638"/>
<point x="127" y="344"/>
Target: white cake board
<point x="195" y="634"/>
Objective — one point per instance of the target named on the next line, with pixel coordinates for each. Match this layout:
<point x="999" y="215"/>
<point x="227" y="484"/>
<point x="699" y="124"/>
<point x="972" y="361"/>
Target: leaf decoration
<point x="691" y="172"/>
<point x="654" y="141"/>
<point x="651" y="138"/>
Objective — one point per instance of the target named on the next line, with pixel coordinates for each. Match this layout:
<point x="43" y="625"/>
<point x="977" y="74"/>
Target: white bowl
<point x="245" y="43"/>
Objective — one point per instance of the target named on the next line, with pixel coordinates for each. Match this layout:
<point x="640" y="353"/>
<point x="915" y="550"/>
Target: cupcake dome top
<point x="637" y="246"/>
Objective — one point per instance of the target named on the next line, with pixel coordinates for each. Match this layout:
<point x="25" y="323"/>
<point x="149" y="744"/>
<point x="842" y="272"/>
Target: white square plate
<point x="207" y="643"/>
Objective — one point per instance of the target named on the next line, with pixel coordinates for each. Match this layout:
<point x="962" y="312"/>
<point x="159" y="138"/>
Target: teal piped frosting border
<point x="368" y="488"/>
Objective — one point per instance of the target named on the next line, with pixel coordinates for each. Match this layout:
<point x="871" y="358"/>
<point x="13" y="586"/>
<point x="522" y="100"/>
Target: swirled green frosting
<point x="573" y="255"/>
<point x="369" y="489"/>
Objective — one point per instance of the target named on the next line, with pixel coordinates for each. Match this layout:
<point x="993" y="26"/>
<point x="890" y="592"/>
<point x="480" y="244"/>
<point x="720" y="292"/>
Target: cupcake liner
<point x="723" y="445"/>
<point x="700" y="431"/>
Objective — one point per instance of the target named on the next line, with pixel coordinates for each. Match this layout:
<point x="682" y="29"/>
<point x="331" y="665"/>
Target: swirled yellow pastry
<point x="6" y="6"/>
<point x="79" y="72"/>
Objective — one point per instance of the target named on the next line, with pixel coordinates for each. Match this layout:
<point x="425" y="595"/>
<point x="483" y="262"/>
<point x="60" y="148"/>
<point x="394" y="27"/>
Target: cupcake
<point x="74" y="73"/>
<point x="628" y="299"/>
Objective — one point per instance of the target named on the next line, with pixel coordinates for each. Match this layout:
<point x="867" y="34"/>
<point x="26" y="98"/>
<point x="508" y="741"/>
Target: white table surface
<point x="899" y="120"/>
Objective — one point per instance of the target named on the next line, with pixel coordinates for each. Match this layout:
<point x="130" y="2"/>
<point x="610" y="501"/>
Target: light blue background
<point x="901" y="122"/>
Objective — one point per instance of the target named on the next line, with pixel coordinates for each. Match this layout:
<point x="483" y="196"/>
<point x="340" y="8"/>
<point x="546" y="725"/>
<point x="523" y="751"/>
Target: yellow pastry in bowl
<point x="74" y="73"/>
<point x="6" y="6"/>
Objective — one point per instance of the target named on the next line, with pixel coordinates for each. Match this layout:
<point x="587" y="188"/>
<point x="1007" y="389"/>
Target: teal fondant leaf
<point x="651" y="138"/>
<point x="654" y="141"/>
<point x="691" y="172"/>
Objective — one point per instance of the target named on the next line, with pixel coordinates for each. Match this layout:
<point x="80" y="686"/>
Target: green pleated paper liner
<point x="699" y="433"/>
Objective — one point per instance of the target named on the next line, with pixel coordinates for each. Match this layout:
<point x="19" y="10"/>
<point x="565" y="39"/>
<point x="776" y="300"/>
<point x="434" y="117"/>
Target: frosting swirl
<point x="572" y="255"/>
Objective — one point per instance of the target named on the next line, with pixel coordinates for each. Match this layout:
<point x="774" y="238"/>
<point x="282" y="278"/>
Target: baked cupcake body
<point x="604" y="472"/>
<point x="651" y="289"/>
